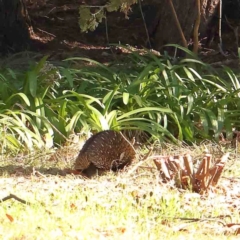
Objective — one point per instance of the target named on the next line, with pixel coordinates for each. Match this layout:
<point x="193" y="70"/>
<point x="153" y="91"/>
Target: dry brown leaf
<point x="73" y="206"/>
<point x="11" y="219"/>
<point x="121" y="230"/>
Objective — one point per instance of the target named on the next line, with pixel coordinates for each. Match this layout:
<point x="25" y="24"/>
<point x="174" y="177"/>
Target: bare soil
<point x="56" y="31"/>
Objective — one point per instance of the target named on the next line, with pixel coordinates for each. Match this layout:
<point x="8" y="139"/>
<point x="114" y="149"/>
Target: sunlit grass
<point x="95" y="209"/>
<point x="132" y="204"/>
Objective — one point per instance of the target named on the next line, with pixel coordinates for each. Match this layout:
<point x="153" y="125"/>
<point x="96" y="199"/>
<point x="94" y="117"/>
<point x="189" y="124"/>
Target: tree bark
<point x="166" y="30"/>
<point x="14" y="26"/>
<point x="208" y="10"/>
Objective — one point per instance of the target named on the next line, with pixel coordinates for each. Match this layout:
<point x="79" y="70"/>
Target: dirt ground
<point x="56" y="31"/>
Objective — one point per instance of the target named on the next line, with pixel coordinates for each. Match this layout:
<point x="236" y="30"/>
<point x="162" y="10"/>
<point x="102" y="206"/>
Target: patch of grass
<point x="132" y="204"/>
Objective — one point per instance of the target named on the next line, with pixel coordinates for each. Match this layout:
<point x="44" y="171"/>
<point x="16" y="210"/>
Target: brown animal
<point x="106" y="150"/>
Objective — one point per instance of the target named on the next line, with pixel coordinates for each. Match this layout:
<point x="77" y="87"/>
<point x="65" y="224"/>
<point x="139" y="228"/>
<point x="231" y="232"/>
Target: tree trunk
<point x="14" y="26"/>
<point x="209" y="9"/>
<point x="166" y="30"/>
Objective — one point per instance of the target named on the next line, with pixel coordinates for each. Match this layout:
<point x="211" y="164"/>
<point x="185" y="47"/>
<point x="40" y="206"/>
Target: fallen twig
<point x="15" y="197"/>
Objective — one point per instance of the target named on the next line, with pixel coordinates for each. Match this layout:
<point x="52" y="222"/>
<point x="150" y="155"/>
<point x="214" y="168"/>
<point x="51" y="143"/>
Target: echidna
<point x="106" y="150"/>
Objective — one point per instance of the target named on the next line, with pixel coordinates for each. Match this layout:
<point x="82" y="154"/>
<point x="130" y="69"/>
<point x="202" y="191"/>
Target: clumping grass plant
<point x="172" y="99"/>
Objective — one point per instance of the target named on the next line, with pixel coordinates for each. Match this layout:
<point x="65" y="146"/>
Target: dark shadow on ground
<point x="16" y="171"/>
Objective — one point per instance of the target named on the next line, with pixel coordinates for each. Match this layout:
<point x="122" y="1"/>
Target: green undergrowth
<point x="42" y="103"/>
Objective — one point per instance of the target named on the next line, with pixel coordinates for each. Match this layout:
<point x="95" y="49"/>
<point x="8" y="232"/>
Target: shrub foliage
<point x="171" y="99"/>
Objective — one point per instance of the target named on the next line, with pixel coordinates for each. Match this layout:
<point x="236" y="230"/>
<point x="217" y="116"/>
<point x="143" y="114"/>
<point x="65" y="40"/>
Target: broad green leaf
<point x="13" y="141"/>
<point x="195" y="73"/>
<point x="190" y="53"/>
<point x="111" y="118"/>
<point x="73" y="122"/>
<point x="214" y="84"/>
<point x="68" y="76"/>
<point x="221" y="119"/>
<point x="63" y="110"/>
<point x="49" y="143"/>
<point x="204" y="121"/>
<point x="139" y="100"/>
<point x="40" y="64"/>
<point x="190" y="103"/>
<point x="180" y="134"/>
<point x="213" y="119"/>
<point x="145" y="125"/>
<point x="189" y="74"/>
<point x="90" y="61"/>
<point x="144" y="110"/>
<point x="22" y="96"/>
<point x="125" y="98"/>
<point x="107" y="100"/>
<point x="32" y="83"/>
<point x="80" y="97"/>
<point x="38" y="106"/>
